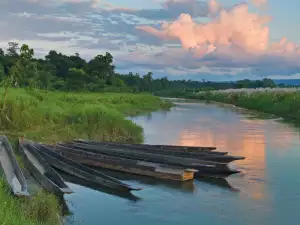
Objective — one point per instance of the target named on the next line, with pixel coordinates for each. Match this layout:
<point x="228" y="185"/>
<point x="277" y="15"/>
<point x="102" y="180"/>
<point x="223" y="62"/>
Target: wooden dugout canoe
<point x="207" y="156"/>
<point x="75" y="169"/>
<point x="139" y="155"/>
<point x="44" y="174"/>
<point x="11" y="169"/>
<point x="139" y="167"/>
<point x="205" y="168"/>
<point x="148" y="146"/>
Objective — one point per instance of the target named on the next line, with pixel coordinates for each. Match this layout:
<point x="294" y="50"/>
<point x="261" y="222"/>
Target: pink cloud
<point x="236" y="27"/>
<point x="233" y="27"/>
<point x="234" y="38"/>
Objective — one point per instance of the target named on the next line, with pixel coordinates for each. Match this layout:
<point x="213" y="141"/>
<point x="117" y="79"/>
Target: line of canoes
<point x="172" y="162"/>
<point x="79" y="158"/>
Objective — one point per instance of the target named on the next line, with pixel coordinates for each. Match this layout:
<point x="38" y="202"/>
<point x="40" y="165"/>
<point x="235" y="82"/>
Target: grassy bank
<point x="283" y="103"/>
<point x="52" y="116"/>
<point x="55" y="116"/>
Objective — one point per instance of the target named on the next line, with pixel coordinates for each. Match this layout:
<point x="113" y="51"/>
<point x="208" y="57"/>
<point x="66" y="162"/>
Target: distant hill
<point x="287" y="81"/>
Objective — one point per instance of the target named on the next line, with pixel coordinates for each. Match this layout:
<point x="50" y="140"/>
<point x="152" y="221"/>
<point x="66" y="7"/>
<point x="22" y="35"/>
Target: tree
<point x="24" y="72"/>
<point x="2" y="73"/>
<point x="19" y="68"/>
<point x="47" y="78"/>
<point x="148" y="81"/>
<point x="26" y="53"/>
<point x="76" y="79"/>
<point x="268" y="83"/>
<point x="5" y="81"/>
<point x="13" y="48"/>
<point x="101" y="67"/>
<point x="1" y="52"/>
<point x="61" y="62"/>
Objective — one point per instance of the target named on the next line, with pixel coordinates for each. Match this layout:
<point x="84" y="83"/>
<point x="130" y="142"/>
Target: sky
<point x="182" y="39"/>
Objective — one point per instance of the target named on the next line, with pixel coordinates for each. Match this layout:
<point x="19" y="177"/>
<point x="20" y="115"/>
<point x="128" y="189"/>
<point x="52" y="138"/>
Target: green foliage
<point x="72" y="73"/>
<point x="41" y="209"/>
<point x="75" y="79"/>
<point x="2" y="73"/>
<point x="183" y="88"/>
<point x="279" y="103"/>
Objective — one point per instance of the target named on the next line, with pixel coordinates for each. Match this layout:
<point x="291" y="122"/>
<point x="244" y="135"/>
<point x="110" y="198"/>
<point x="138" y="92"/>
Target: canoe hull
<point x="49" y="178"/>
<point x="11" y="169"/>
<point x="149" y="147"/>
<point x="151" y="157"/>
<point x="209" y="170"/>
<point x="126" y="165"/>
<point x="207" y="156"/>
<point x="75" y="169"/>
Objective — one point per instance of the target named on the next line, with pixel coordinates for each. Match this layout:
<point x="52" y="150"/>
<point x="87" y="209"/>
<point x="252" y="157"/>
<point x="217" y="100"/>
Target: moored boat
<point x="11" y="170"/>
<point x="76" y="169"/>
<point x="139" y="167"/>
<point x="148" y="146"/>
<point x="193" y="155"/>
<point x="205" y="168"/>
<point x="44" y="174"/>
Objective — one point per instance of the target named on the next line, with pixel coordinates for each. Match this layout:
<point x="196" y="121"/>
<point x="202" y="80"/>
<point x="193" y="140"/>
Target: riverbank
<point x="284" y="104"/>
<point x="56" y="116"/>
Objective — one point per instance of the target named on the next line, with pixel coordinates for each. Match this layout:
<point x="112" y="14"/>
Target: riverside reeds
<point x="280" y="102"/>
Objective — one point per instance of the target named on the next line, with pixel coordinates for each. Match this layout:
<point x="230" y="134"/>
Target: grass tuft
<point x="42" y="209"/>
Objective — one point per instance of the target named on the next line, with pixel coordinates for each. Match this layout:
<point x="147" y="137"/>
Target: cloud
<point x="171" y="9"/>
<point x="235" y="27"/>
<point x="259" y="3"/>
<point x="168" y="40"/>
<point x="235" y="38"/>
<point x="220" y="60"/>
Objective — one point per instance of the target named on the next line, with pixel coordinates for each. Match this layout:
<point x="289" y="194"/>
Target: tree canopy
<point x="57" y="71"/>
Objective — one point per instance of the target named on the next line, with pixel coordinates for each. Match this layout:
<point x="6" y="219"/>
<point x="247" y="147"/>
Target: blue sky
<point x="181" y="39"/>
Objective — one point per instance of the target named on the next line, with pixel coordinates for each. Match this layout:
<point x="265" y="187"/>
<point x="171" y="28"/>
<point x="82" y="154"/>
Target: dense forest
<point x="19" y="68"/>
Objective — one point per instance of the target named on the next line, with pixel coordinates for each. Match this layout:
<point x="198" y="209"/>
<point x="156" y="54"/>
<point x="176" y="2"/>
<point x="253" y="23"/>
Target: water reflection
<point x="219" y="182"/>
<point x="267" y="190"/>
<point x="263" y="142"/>
<point x="84" y="183"/>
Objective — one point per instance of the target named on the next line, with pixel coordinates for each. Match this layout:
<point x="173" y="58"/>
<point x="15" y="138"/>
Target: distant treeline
<point x="19" y="68"/>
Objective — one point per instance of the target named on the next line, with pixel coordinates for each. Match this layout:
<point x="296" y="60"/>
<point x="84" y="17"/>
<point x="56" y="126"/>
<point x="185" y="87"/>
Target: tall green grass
<point x="41" y="209"/>
<point x="55" y="116"/>
<point x="284" y="104"/>
<point x="52" y="116"/>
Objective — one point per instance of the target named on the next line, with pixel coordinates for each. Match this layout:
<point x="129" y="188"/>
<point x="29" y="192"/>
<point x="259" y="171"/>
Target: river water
<point x="266" y="192"/>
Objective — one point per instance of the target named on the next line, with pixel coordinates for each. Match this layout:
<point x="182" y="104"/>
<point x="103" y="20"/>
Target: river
<point x="266" y="192"/>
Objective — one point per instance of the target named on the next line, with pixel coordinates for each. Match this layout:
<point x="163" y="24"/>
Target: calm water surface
<point x="267" y="191"/>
